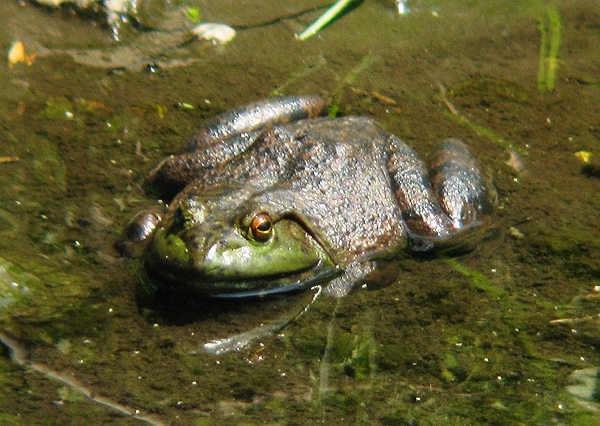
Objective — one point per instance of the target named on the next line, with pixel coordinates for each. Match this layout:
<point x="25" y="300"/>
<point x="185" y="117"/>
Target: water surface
<point x="494" y="337"/>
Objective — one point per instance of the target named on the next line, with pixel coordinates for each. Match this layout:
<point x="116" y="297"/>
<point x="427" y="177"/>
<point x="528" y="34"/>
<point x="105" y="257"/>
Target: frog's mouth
<point x="231" y="265"/>
<point x="246" y="288"/>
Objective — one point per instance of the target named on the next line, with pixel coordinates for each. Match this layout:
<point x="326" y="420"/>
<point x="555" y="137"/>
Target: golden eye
<point x="261" y="227"/>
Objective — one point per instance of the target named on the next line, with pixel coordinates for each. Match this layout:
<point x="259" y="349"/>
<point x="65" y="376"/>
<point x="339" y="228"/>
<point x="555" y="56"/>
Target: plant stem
<point x="325" y="19"/>
<point x="550" y="29"/>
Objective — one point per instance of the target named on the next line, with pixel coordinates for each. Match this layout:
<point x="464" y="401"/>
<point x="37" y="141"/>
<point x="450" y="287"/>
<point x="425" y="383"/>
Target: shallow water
<point x="493" y="337"/>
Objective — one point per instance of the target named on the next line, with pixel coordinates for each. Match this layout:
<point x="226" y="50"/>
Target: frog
<point x="276" y="196"/>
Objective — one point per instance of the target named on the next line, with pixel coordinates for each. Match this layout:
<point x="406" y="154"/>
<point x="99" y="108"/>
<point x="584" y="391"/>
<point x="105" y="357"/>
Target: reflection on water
<point x="505" y="335"/>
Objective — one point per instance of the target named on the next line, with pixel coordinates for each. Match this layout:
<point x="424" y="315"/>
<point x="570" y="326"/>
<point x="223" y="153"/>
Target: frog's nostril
<point x="178" y="223"/>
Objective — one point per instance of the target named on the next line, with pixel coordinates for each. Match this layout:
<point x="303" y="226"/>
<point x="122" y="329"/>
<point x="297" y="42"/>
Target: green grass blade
<point x="550" y="34"/>
<point x="325" y="19"/>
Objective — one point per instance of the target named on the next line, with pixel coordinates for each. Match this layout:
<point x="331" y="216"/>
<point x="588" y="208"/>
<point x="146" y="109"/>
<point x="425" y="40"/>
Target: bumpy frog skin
<point x="272" y="197"/>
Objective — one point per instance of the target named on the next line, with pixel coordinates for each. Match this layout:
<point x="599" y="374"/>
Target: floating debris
<point x="216" y="33"/>
<point x="515" y="233"/>
<point x="57" y="3"/>
<point x="17" y="54"/>
<point x="515" y="162"/>
<point x="384" y="100"/>
<point x="9" y="159"/>
<point x="402" y="8"/>
<point x="583" y="156"/>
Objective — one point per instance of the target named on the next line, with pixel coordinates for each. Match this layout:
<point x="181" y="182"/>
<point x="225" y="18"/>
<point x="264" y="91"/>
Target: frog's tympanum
<point x="273" y="197"/>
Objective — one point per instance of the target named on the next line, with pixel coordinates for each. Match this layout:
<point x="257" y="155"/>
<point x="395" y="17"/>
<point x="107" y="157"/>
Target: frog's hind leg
<point x="422" y="213"/>
<point x="225" y="136"/>
<point x="215" y="132"/>
<point x="437" y="202"/>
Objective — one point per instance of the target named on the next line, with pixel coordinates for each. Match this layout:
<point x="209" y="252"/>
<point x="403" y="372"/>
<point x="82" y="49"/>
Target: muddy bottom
<point x="500" y="336"/>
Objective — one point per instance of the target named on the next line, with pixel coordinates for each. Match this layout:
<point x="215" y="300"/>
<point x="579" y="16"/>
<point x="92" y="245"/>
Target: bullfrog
<point x="275" y="196"/>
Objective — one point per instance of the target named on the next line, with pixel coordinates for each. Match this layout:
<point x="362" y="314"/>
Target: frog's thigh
<point x="420" y="208"/>
<point x="226" y="136"/>
<point x="175" y="172"/>
<point x="251" y="117"/>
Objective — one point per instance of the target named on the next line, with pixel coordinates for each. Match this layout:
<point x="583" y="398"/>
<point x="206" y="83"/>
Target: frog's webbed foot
<point x="459" y="184"/>
<point x="442" y="201"/>
<point x="239" y="342"/>
<point x="243" y="340"/>
<point x="340" y="286"/>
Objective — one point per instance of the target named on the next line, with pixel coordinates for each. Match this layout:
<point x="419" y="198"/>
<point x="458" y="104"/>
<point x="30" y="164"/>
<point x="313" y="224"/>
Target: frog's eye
<point x="261" y="227"/>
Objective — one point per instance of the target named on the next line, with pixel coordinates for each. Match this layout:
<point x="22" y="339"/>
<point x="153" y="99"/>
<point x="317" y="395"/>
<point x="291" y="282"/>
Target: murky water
<point x="499" y="336"/>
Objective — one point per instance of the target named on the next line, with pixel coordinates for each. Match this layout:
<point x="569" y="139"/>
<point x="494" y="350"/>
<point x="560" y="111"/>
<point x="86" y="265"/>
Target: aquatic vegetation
<point x="457" y="117"/>
<point x="350" y="79"/>
<point x="299" y="75"/>
<point x="325" y="19"/>
<point x="193" y="14"/>
<point x="550" y="30"/>
<point x="486" y="90"/>
<point x="477" y="279"/>
<point x="58" y="108"/>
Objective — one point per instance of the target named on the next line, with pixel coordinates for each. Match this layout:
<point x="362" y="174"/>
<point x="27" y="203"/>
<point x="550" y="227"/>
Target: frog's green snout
<point x="169" y="248"/>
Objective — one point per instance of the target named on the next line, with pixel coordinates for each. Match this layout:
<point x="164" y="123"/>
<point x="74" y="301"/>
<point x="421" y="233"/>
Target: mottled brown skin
<point x="344" y="193"/>
<point x="213" y="145"/>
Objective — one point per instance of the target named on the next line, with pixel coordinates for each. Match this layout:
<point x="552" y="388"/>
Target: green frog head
<point x="225" y="242"/>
